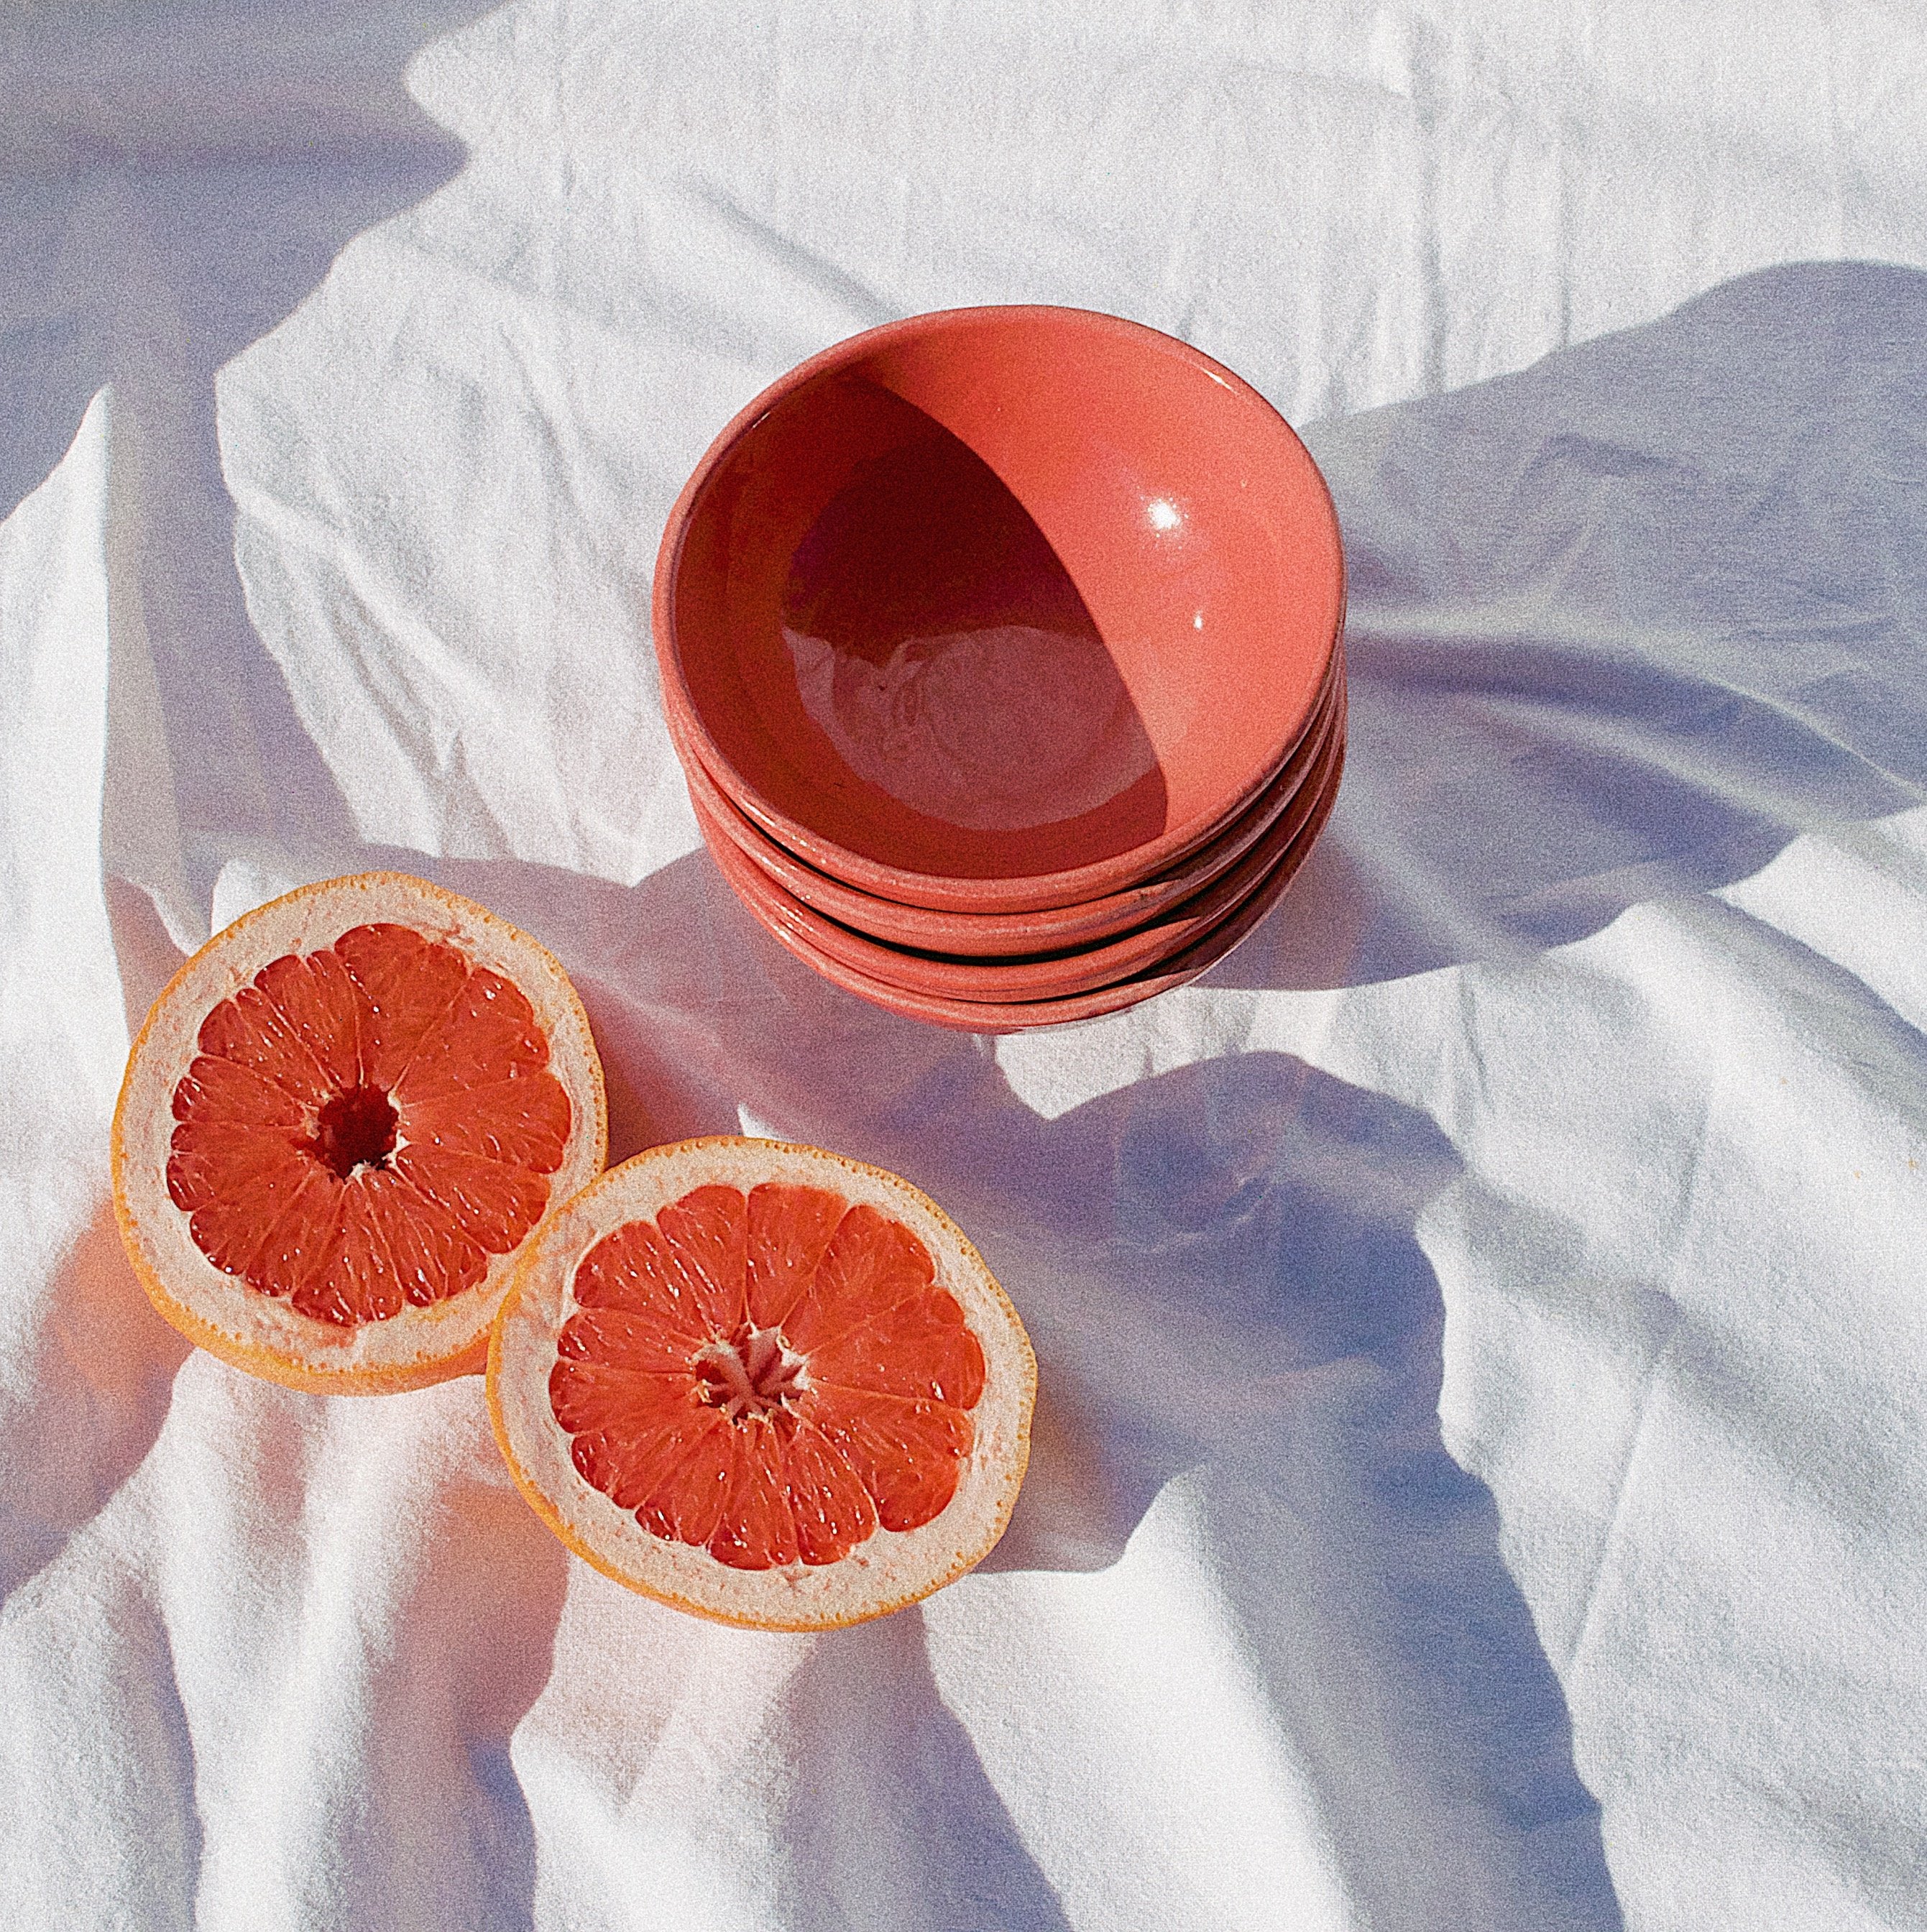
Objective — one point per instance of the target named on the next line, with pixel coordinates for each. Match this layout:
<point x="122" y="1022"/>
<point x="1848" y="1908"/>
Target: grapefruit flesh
<point x="365" y="1125"/>
<point x="326" y="1157"/>
<point x="763" y="1382"/>
<point x="770" y="1376"/>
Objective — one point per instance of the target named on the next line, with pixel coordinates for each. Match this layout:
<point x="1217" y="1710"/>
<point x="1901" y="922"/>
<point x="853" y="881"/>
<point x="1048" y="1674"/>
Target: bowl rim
<point x="942" y="891"/>
<point x="1020" y="1016"/>
<point x="1056" y="974"/>
<point x="988" y="935"/>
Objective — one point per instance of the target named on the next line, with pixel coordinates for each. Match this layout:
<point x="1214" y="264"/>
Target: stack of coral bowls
<point x="1003" y="651"/>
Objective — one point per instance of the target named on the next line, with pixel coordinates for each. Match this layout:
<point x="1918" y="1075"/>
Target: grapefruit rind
<point x="219" y="1313"/>
<point x="890" y="1569"/>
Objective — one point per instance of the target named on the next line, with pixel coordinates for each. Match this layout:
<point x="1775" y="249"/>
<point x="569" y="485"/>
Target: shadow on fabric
<point x="1622" y="626"/>
<point x="896" y="1823"/>
<point x="1220" y="1268"/>
<point x="175" y="185"/>
<point x="86" y="1404"/>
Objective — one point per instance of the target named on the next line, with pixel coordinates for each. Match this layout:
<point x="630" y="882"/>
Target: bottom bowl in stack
<point x="1050" y="986"/>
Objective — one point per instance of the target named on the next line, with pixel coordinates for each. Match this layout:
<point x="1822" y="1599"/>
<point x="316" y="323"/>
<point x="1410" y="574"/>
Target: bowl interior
<point x="1003" y="592"/>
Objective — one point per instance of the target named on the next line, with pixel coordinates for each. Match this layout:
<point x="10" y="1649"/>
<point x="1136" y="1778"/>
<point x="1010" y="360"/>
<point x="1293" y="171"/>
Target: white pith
<point x="240" y="1321"/>
<point x="891" y="1568"/>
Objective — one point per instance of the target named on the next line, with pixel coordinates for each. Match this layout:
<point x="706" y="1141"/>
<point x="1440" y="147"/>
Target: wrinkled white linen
<point x="1479" y="1479"/>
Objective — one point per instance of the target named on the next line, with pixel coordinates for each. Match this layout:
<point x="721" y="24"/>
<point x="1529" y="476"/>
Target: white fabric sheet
<point x="1480" y="1479"/>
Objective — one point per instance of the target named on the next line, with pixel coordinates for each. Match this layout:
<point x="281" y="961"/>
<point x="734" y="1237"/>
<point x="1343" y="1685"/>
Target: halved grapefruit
<point x="342" y="1119"/>
<point x="762" y="1383"/>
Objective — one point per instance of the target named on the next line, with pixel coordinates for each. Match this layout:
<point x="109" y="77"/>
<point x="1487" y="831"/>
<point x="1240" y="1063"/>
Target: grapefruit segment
<point x="906" y="1454"/>
<point x="355" y="1279"/>
<point x="788" y="1230"/>
<point x="634" y="1339"/>
<point x="918" y="1347"/>
<point x="702" y="1239"/>
<point x="834" y="1510"/>
<point x="591" y="1397"/>
<point x="634" y="1269"/>
<point x="492" y="1204"/>
<point x="683" y="1500"/>
<point x="313" y="1000"/>
<point x="487" y="1034"/>
<point x="756" y="1529"/>
<point x="251" y="1030"/>
<point x="526" y="1127"/>
<point x="407" y="983"/>
<point x="872" y="1264"/>
<point x="431" y="1259"/>
<point x="254" y="1218"/>
<point x="225" y="1090"/>
<point x="342" y="1117"/>
<point x="762" y="1383"/>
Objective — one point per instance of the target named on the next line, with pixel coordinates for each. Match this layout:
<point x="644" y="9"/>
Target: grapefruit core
<point x="342" y="1120"/>
<point x="762" y="1383"/>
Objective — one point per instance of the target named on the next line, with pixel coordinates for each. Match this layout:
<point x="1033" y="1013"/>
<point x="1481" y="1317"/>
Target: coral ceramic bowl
<point x="1053" y="975"/>
<point x="1005" y="935"/>
<point x="999" y="610"/>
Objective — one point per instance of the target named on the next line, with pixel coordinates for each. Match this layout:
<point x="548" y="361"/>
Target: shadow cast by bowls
<point x="1219" y="1269"/>
<point x="1622" y="626"/>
